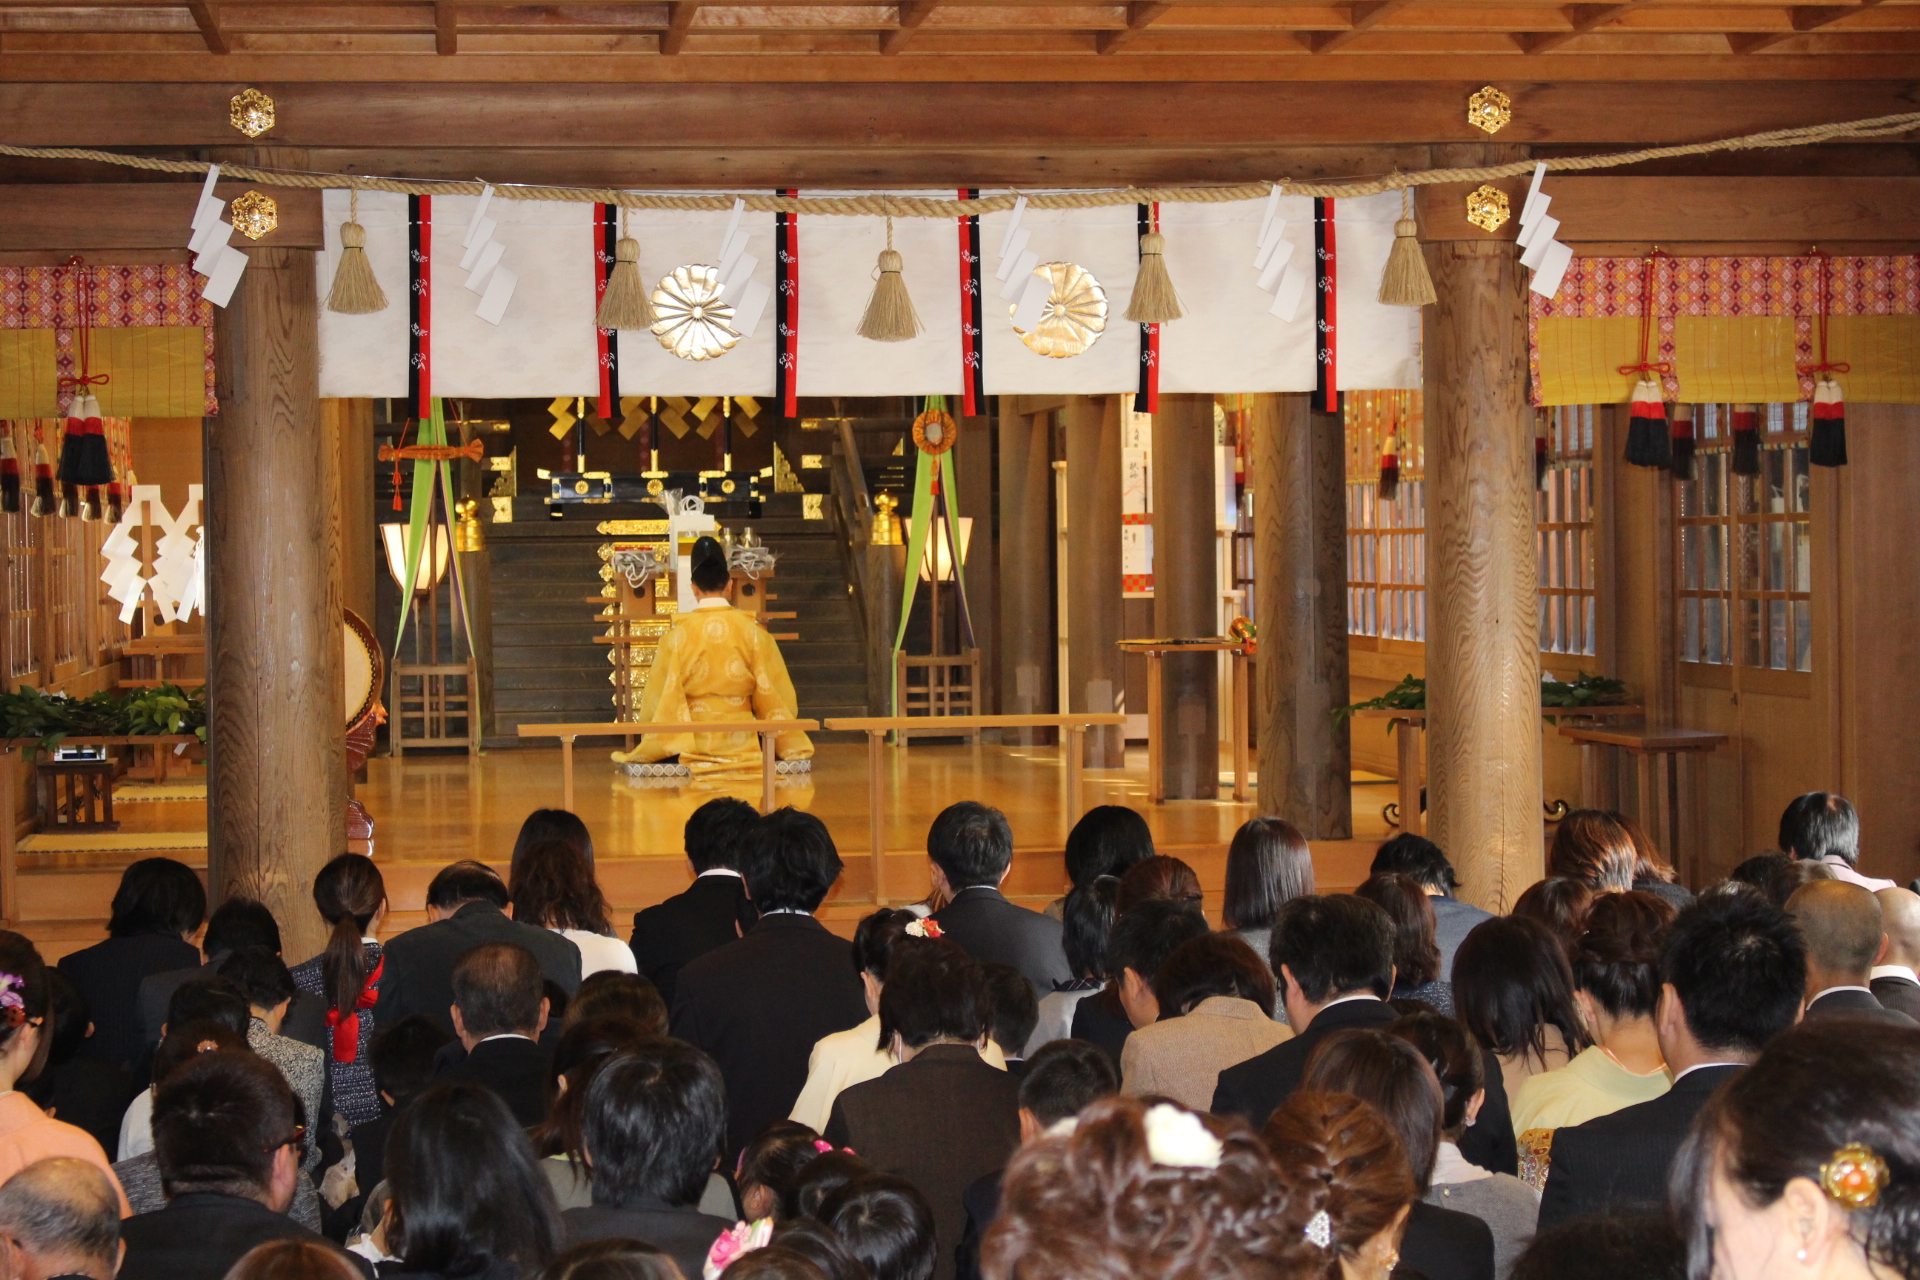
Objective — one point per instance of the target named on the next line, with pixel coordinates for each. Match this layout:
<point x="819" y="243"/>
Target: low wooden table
<point x="629" y="730"/>
<point x="76" y="795"/>
<point x="1665" y="754"/>
<point x="1156" y="716"/>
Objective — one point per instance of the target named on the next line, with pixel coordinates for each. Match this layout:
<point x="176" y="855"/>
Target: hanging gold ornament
<point x="1489" y="110"/>
<point x="1075" y="315"/>
<point x="934" y="432"/>
<point x="1487" y="207"/>
<point x="692" y="321"/>
<point x="251" y="112"/>
<point x="255" y="214"/>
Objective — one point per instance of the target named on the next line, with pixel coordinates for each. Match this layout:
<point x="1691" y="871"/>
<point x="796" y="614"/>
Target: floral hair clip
<point x="1177" y="1139"/>
<point x="1855" y="1176"/>
<point x="740" y="1238"/>
<point x="924" y="928"/>
<point x="821" y="1146"/>
<point x="1320" y="1229"/>
<point x="13" y="1004"/>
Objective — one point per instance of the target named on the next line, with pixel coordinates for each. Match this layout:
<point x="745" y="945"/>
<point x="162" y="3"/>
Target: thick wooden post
<point x="1300" y="574"/>
<point x="1026" y="579"/>
<point x="1483" y="648"/>
<point x="1186" y="594"/>
<point x="275" y="716"/>
<point x="1096" y="676"/>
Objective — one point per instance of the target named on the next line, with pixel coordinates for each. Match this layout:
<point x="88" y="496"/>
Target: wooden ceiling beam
<point x="1141" y="14"/>
<point x="912" y="14"/>
<point x="139" y="215"/>
<point x="1581" y="18"/>
<point x="674" y="38"/>
<point x="446" y="28"/>
<point x="1365" y="16"/>
<point x="1805" y="18"/>
<point x="207" y="18"/>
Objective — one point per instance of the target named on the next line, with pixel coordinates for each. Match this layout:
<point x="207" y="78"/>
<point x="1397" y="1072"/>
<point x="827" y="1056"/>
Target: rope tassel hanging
<point x="625" y="304"/>
<point x="890" y="316"/>
<point x="1154" y="300"/>
<point x="1405" y="282"/>
<point x="355" y="291"/>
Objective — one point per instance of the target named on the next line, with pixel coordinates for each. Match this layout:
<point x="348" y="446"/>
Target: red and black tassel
<point x="1827" y="445"/>
<point x="1647" y="442"/>
<point x="1540" y="450"/>
<point x="115" y="502"/>
<point x="9" y="475"/>
<point x="94" y="507"/>
<point x="83" y="452"/>
<point x="44" y="501"/>
<point x="1746" y="440"/>
<point x="1683" y="442"/>
<point x="1390" y="469"/>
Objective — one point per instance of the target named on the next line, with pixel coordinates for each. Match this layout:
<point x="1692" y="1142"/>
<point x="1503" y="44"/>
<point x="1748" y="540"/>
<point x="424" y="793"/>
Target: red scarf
<point x="346" y="1026"/>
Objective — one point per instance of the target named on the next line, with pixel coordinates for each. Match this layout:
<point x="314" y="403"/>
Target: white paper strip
<point x="1538" y="212"/>
<point x="1018" y="212"/>
<point x="1286" y="297"/>
<point x="479" y="227"/>
<point x="737" y="275"/>
<point x="1016" y="247"/>
<point x="226" y="274"/>
<point x="1270" y="239"/>
<point x="214" y="233"/>
<point x="493" y="304"/>
<point x="488" y="261"/>
<point x="733" y="225"/>
<point x="1016" y="285"/>
<point x="1266" y="216"/>
<point x="1533" y="192"/>
<point x="543" y="343"/>
<point x="1033" y="302"/>
<point x="479" y="244"/>
<point x="1229" y="338"/>
<point x="752" y="305"/>
<point x="1536" y="252"/>
<point x="731" y="252"/>
<point x="1546" y="281"/>
<point x="1276" y="263"/>
<point x="213" y="176"/>
<point x="207" y="214"/>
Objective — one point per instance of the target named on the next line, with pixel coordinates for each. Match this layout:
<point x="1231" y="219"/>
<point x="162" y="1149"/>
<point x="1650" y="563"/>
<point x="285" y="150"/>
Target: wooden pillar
<point x="1300" y="575"/>
<point x="1483" y="648"/>
<point x="1025" y="657"/>
<point x="275" y="715"/>
<point x="1096" y="676"/>
<point x="1186" y="595"/>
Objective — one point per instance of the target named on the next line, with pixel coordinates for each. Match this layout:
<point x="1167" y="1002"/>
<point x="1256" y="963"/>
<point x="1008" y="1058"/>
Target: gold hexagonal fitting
<point x="1488" y="208"/>
<point x="254" y="214"/>
<point x="1489" y="110"/>
<point x="251" y="112"/>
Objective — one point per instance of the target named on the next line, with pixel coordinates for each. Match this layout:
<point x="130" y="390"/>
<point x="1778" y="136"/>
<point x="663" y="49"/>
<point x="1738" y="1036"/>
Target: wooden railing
<point x="767" y="729"/>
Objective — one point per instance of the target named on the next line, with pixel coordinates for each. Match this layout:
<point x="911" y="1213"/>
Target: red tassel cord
<point x="44" y="502"/>
<point x="9" y="475"/>
<point x="1746" y="440"/>
<point x="1540" y="449"/>
<point x="1390" y="469"/>
<point x="1647" y="442"/>
<point x="1828" y="444"/>
<point x="1683" y="442"/>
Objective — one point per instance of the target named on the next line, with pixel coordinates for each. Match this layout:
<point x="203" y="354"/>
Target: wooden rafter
<point x="912" y="14"/>
<point x="1805" y="18"/>
<point x="207" y="18"/>
<point x="446" y="28"/>
<point x="674" y="38"/>
<point x="1140" y="15"/>
<point x="1581" y="18"/>
<point x="1363" y="17"/>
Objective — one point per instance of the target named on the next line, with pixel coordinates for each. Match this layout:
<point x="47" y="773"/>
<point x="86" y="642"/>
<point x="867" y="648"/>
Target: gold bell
<point x="886" y="526"/>
<point x="467" y="535"/>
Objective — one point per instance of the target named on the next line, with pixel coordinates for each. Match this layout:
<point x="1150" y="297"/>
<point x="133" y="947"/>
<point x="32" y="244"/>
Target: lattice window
<point x="23" y="604"/>
<point x="1564" y="516"/>
<point x="66" y="588"/>
<point x="1386" y="539"/>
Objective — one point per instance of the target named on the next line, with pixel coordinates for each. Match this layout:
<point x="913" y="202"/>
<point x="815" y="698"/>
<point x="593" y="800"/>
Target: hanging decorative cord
<point x="84" y="460"/>
<point x="1649" y="440"/>
<point x="1827" y="436"/>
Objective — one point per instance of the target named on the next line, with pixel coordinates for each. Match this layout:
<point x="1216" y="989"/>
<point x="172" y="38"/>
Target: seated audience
<point x="84" y="1093"/>
<point x="236" y="923"/>
<point x="1423" y="862"/>
<point x="821" y="1177"/>
<point x="887" y="1227"/>
<point x="466" y="908"/>
<point x="351" y="896"/>
<point x="499" y="1011"/>
<point x="1822" y="827"/>
<point x="1513" y="988"/>
<point x="1813" y="1149"/>
<point x="156" y="911"/>
<point x="269" y="989"/>
<point x="60" y="1220"/>
<point x="655" y="1116"/>
<point x="1268" y="865"/>
<point x="1141" y="940"/>
<point x="466" y="1196"/>
<point x="943" y="1117"/>
<point x="1393" y="1077"/>
<point x="1342" y="1159"/>
<point x="1334" y="955"/>
<point x="1014" y="1013"/>
<point x="1589" y="846"/>
<point x="1644" y="1246"/>
<point x="713" y="910"/>
<point x="1157" y="879"/>
<point x="227" y="1132"/>
<point x="1842" y="924"/>
<point x="583" y="1049"/>
<point x="1558" y="903"/>
<point x="550" y="824"/>
<point x="769" y="1169"/>
<point x="1087" y="919"/>
<point x="209" y="999"/>
<point x="608" y="994"/>
<point x="294" y="1260"/>
<point x="1895" y="980"/>
<point x="1212" y="995"/>
<point x="1106" y="840"/>
<point x="139" y="1175"/>
<point x="1775" y="876"/>
<point x="1732" y="974"/>
<point x="1416" y="955"/>
<point x="1652" y="873"/>
<point x="553" y="887"/>
<point x="612" y="1259"/>
<point x="1507" y="1205"/>
<point x="821" y="1245"/>
<point x="760" y="1003"/>
<point x="401" y="1055"/>
<point x="969" y="851"/>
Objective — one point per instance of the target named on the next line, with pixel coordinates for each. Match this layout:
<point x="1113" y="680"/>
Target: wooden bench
<point x="765" y="728"/>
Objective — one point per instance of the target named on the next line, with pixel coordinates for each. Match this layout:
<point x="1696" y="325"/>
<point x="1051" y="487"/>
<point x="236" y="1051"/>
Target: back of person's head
<point x="1511" y="981"/>
<point x="1589" y="846"/>
<point x="886" y="1224"/>
<point x="820" y="1178"/>
<point x="66" y="1213"/>
<point x="1334" y="945"/>
<point x="770" y="1164"/>
<point x="1558" y="903"/>
<point x="716" y="834"/>
<point x="1157" y="879"/>
<point x="553" y="886"/>
<point x="875" y="937"/>
<point x="1107" y="840"/>
<point x="1739" y="968"/>
<point x="1394" y="1078"/>
<point x="157" y="895"/>
<point x="294" y="1258"/>
<point x="1841" y="923"/>
<point x="401" y="1055"/>
<point x="1759" y="870"/>
<point x="583" y="1049"/>
<point x="613" y="994"/>
<point x="349" y="892"/>
<point x="22" y="973"/>
<point x="465" y="1188"/>
<point x="1900" y="919"/>
<point x="188" y="1041"/>
<point x="1145" y="936"/>
<point x="1014" y="1009"/>
<point x="971" y="843"/>
<point x="72" y="1018"/>
<point x="1778" y="877"/>
<point x="498" y="988"/>
<point x="1616" y="959"/>
<point x="552" y="824"/>
<point x="708" y="565"/>
<point x="459" y="883"/>
<point x="791" y="863"/>
<point x="818" y="1244"/>
<point x="1831" y="1106"/>
<point x="613" y="1258"/>
<point x="1209" y="965"/>
<point x="1456" y="1060"/>
<point x="933" y="992"/>
<point x="1820" y="825"/>
<point x="261" y="976"/>
<point x="213" y="998"/>
<point x="241" y="922"/>
<point x="1064" y="1078"/>
<point x="1340" y="1156"/>
<point x="1087" y="921"/>
<point x="1417" y="858"/>
<point x="655" y="1118"/>
<point x="1648" y="862"/>
<point x="1268" y="863"/>
<point x="1416" y="952"/>
<point x="218" y="1121"/>
<point x="1644" y="1246"/>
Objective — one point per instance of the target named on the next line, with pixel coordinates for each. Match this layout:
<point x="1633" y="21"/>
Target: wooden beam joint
<point x="1362" y="17"/>
<point x="912" y="14"/>
<point x="207" y="18"/>
<point x="1140" y="15"/>
<point x="446" y="28"/>
<point x="674" y="38"/>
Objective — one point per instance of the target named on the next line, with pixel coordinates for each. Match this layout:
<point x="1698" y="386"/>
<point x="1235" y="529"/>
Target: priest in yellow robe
<point x="716" y="664"/>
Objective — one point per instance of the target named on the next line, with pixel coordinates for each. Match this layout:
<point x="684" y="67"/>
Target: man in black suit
<point x="1842" y="926"/>
<point x="1333" y="955"/>
<point x="229" y="1151"/>
<point x="759" y="1003"/>
<point x="1733" y="972"/>
<point x="1896" y="977"/>
<point x="466" y="908"/>
<point x="652" y="1120"/>
<point x="60" y="1217"/>
<point x="234" y="924"/>
<point x="499" y="1011"/>
<point x="713" y="911"/>
<point x="971" y="848"/>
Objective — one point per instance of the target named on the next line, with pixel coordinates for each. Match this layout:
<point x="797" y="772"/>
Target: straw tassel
<point x="355" y="290"/>
<point x="1405" y="282"/>
<point x="625" y="304"/>
<point x="1154" y="299"/>
<point x="1390" y="469"/>
<point x="890" y="316"/>
<point x="1827" y="443"/>
<point x="1647" y="442"/>
<point x="9" y="475"/>
<point x="1746" y="440"/>
<point x="1683" y="442"/>
<point x="115" y="503"/>
<point x="44" y="502"/>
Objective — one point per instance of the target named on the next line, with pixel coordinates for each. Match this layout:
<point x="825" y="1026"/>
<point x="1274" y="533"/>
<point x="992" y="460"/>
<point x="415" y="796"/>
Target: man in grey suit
<point x="971" y="848"/>
<point x="1422" y="860"/>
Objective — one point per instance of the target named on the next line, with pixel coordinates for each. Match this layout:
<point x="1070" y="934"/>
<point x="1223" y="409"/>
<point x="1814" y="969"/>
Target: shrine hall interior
<point x="1462" y="495"/>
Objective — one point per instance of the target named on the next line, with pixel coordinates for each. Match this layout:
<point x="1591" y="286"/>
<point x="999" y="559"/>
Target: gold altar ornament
<point x="693" y="323"/>
<point x="1075" y="315"/>
<point x="255" y="214"/>
<point x="251" y="112"/>
<point x="1489" y="110"/>
<point x="1487" y="207"/>
<point x="886" y="525"/>
<point x="467" y="535"/>
<point x="934" y="432"/>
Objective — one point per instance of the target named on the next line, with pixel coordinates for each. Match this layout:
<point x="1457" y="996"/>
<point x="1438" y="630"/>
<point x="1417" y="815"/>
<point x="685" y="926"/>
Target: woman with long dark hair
<point x="1106" y="841"/>
<point x="1416" y="952"/>
<point x="551" y="824"/>
<point x="1513" y="988"/>
<point x="352" y="898"/>
<point x="1268" y="865"/>
<point x="552" y="886"/>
